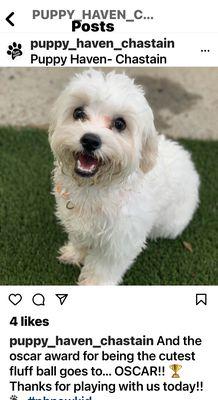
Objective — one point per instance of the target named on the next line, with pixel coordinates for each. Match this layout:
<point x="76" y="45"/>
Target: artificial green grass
<point x="30" y="235"/>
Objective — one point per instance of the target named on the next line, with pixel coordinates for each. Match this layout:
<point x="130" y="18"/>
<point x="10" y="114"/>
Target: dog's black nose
<point x="90" y="142"/>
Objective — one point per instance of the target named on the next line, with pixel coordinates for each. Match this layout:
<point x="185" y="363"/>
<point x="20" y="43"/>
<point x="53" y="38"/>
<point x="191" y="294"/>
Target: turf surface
<point x="30" y="236"/>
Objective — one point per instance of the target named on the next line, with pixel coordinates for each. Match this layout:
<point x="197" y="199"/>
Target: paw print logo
<point x="14" y="50"/>
<point x="13" y="397"/>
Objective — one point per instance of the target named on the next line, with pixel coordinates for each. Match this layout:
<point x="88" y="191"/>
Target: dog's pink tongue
<point x="87" y="161"/>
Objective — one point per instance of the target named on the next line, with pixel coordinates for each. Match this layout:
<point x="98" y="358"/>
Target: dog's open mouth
<point x="86" y="164"/>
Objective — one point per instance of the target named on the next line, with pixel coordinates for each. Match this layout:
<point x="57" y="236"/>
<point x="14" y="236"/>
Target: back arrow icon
<point x="8" y="19"/>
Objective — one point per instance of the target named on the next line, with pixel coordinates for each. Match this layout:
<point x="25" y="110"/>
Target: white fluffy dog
<point x="116" y="181"/>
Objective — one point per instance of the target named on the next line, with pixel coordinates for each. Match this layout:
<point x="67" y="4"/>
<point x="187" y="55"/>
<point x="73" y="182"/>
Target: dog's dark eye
<point x="119" y="124"/>
<point x="79" y="113"/>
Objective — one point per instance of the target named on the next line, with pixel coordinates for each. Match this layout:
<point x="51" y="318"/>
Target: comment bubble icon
<point x="38" y="299"/>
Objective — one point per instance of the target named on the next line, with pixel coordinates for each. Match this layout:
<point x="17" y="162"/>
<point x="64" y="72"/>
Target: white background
<point x="192" y="24"/>
<point x="120" y="312"/>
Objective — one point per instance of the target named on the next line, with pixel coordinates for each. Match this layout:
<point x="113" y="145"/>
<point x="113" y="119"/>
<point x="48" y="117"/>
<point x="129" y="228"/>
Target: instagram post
<point x="108" y="215"/>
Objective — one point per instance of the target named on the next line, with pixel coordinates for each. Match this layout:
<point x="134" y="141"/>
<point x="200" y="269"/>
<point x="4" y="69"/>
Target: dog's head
<point x="102" y="128"/>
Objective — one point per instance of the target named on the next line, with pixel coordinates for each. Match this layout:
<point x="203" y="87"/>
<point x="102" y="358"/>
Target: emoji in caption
<point x="175" y="368"/>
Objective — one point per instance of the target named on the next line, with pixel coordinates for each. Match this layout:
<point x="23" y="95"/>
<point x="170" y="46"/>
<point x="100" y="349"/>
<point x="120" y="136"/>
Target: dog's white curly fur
<point x="146" y="185"/>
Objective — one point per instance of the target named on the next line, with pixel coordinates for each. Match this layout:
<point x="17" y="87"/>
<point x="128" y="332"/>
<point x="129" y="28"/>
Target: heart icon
<point x="15" y="298"/>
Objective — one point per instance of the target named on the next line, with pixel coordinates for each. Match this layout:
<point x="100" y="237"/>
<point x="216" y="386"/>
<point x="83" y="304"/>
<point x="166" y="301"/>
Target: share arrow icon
<point x="62" y="298"/>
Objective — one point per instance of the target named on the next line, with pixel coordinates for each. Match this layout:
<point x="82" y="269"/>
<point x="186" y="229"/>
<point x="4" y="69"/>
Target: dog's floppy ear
<point x="149" y="148"/>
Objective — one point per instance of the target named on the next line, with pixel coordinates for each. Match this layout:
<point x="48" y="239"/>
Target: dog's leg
<point x="100" y="271"/>
<point x="70" y="254"/>
<point x="106" y="266"/>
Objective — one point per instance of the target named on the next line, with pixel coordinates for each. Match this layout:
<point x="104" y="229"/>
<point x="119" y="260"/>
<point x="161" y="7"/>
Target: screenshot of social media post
<point x="108" y="200"/>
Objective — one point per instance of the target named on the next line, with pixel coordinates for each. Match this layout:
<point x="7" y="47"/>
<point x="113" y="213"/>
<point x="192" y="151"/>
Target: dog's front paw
<point x="90" y="279"/>
<point x="70" y="255"/>
<point x="88" y="282"/>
